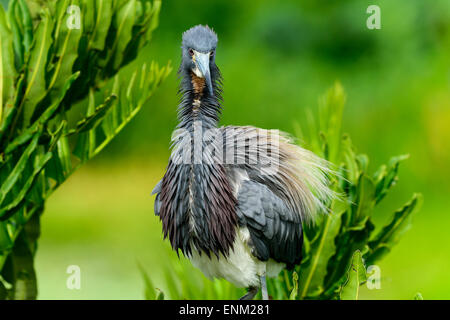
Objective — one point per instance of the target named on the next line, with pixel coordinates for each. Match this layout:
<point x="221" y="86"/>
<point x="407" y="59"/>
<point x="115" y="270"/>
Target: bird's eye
<point x="191" y="52"/>
<point x="212" y="53"/>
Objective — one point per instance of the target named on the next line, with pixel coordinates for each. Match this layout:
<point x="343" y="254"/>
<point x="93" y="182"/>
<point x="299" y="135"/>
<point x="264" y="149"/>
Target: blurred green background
<point x="276" y="59"/>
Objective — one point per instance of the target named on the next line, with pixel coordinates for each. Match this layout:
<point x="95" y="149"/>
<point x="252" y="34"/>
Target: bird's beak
<point x="201" y="60"/>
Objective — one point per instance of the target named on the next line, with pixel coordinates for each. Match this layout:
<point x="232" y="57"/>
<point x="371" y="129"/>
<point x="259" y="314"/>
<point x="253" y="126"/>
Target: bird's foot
<point x="265" y="296"/>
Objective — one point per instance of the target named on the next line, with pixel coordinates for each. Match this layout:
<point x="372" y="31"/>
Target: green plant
<point x="337" y="248"/>
<point x="47" y="71"/>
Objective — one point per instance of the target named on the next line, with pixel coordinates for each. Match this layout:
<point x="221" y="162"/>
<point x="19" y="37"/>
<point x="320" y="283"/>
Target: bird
<point x="234" y="200"/>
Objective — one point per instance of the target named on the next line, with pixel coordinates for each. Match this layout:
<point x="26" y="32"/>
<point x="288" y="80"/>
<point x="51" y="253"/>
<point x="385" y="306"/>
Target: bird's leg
<point x="252" y="291"/>
<point x="265" y="296"/>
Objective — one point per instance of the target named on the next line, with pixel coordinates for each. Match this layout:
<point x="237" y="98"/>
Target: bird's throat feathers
<point x="198" y="85"/>
<point x="197" y="104"/>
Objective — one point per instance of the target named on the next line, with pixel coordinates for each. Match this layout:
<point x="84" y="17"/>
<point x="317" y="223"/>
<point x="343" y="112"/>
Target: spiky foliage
<point x="52" y="55"/>
<point x="341" y="245"/>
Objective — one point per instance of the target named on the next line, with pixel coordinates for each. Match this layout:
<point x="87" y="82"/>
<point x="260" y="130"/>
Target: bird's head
<point x="198" y="53"/>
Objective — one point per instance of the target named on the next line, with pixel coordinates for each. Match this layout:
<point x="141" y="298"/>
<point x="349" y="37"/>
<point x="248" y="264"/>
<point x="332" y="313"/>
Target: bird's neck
<point x="198" y="207"/>
<point x="197" y="104"/>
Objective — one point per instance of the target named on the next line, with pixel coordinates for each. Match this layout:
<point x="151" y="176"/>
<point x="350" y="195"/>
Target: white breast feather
<point x="240" y="267"/>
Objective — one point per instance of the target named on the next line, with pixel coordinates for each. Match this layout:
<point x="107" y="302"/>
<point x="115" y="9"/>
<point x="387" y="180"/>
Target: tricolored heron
<point x="233" y="199"/>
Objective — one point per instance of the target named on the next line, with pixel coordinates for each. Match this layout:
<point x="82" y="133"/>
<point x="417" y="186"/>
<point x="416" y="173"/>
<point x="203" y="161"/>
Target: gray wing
<point x="157" y="190"/>
<point x="275" y="230"/>
<point x="294" y="174"/>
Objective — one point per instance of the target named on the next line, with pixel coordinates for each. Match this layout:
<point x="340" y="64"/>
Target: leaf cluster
<point x="47" y="66"/>
<point x="340" y="247"/>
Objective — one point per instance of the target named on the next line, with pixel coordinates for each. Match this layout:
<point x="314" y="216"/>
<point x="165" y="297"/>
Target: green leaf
<point x="104" y="13"/>
<point x="39" y="123"/>
<point x="7" y="211"/>
<point x="418" y="296"/>
<point x="160" y="295"/>
<point x="150" y="292"/>
<point x="54" y="169"/>
<point x="93" y="120"/>
<point x="63" y="150"/>
<point x="331" y="107"/>
<point x="391" y="233"/>
<point x="7" y="69"/>
<point x="57" y="134"/>
<point x="66" y="49"/>
<point x="83" y="146"/>
<point x="88" y="16"/>
<point x="363" y="162"/>
<point x="322" y="248"/>
<point x="356" y="277"/>
<point x="153" y="17"/>
<point x="27" y="25"/>
<point x="18" y="169"/>
<point x="172" y="286"/>
<point x="349" y="160"/>
<point x="123" y="22"/>
<point x="36" y="77"/>
<point x="364" y="202"/>
<point x="11" y="109"/>
<point x="86" y="142"/>
<point x="17" y="35"/>
<point x="126" y="102"/>
<point x="294" y="292"/>
<point x="5" y="239"/>
<point x="386" y="177"/>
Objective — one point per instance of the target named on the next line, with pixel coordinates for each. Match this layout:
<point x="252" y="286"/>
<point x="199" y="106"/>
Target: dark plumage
<point x="275" y="230"/>
<point x="233" y="199"/>
<point x="182" y="183"/>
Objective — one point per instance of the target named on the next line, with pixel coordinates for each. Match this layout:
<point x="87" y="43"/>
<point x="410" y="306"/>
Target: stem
<point x="19" y="266"/>
<point x="316" y="258"/>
